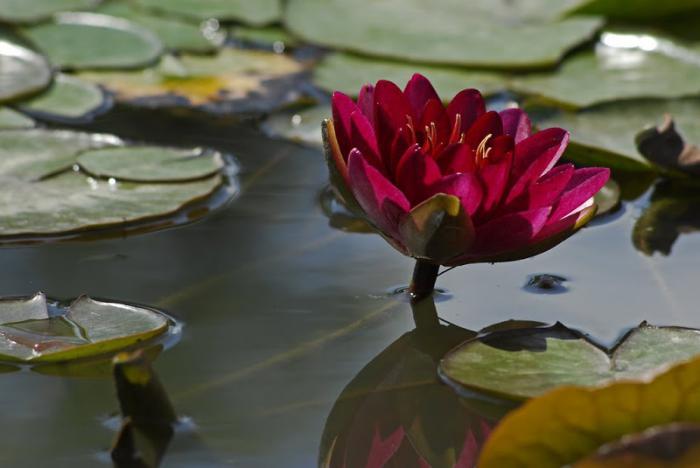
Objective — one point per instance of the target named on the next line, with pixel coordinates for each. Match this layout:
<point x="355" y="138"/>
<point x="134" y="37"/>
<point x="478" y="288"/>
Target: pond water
<point x="281" y="311"/>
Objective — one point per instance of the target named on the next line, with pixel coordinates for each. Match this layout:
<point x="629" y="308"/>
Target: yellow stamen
<point x="482" y="153"/>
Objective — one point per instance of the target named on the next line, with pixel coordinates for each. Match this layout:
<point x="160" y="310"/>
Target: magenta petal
<point x="362" y="135"/>
<point x="545" y="147"/>
<point x="511" y="231"/>
<point x="415" y="173"/>
<point x="457" y="157"/>
<point x="541" y="152"/>
<point x="365" y="101"/>
<point x="391" y="112"/>
<point x="383" y="203"/>
<point x="546" y="191"/>
<point x="469" y="104"/>
<point x="419" y="91"/>
<point x="434" y="113"/>
<point x="470" y="451"/>
<point x="342" y="108"/>
<point x="487" y="124"/>
<point x="494" y="178"/>
<point x="516" y="124"/>
<point x="381" y="451"/>
<point x="583" y="185"/>
<point x="465" y="186"/>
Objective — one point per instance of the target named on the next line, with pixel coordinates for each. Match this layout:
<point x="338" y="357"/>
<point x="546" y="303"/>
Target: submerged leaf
<point x="445" y="31"/>
<point x="528" y="362"/>
<point x="570" y="423"/>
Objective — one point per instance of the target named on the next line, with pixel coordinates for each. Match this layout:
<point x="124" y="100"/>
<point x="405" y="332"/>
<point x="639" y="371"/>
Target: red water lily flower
<point x="457" y="184"/>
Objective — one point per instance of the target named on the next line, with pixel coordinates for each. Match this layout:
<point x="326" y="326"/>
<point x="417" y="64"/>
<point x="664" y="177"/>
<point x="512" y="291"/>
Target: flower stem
<point x="423" y="282"/>
<point x="425" y="314"/>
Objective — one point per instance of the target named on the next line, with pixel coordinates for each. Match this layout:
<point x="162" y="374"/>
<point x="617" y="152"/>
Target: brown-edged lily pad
<point x="569" y="424"/>
<point x="233" y="81"/>
<point x="34" y="330"/>
<point x="528" y="362"/>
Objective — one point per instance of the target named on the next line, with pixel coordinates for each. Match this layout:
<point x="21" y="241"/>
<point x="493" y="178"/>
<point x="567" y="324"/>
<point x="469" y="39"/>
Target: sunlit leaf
<point x="570" y="423"/>
<point x="623" y="66"/>
<point x="528" y="362"/>
<point x="68" y="100"/>
<point x="174" y="33"/>
<point x="256" y="12"/>
<point x="24" y="72"/>
<point x="29" y="11"/>
<point x="33" y="330"/>
<point x="514" y="35"/>
<point x="347" y="73"/>
<point x="151" y="163"/>
<point x="91" y="40"/>
<point x="233" y="81"/>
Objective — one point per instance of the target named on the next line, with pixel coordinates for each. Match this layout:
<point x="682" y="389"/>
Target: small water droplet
<point x="278" y="47"/>
<point x="296" y="120"/>
<point x="546" y="283"/>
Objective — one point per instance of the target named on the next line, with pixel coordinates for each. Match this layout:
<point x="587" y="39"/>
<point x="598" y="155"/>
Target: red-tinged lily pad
<point x="35" y="330"/>
<point x="526" y="363"/>
<point x="569" y="424"/>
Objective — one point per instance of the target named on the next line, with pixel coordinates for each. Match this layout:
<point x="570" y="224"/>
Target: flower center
<point x="429" y="140"/>
<point x="482" y="152"/>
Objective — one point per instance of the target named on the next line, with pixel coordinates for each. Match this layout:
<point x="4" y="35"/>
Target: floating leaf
<point x="32" y="330"/>
<point x="258" y="12"/>
<point x="570" y="423"/>
<point x="605" y="135"/>
<point x="608" y="198"/>
<point x="639" y="9"/>
<point x="233" y="81"/>
<point x="12" y="119"/>
<point x="151" y="163"/>
<point x="347" y="73"/>
<point x="41" y="198"/>
<point x="529" y="362"/>
<point x="24" y="72"/>
<point x="68" y="100"/>
<point x="674" y="209"/>
<point x="32" y="11"/>
<point x="91" y="40"/>
<point x="623" y="66"/>
<point x="445" y="32"/>
<point x="303" y="126"/>
<point x="278" y="38"/>
<point x="174" y="33"/>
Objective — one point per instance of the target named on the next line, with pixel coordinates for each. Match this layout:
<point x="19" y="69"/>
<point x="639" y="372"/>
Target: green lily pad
<point x="233" y="81"/>
<point x="258" y="12"/>
<point x="12" y="119"/>
<point x="639" y="9"/>
<point x="623" y="66"/>
<point x="42" y="196"/>
<point x="34" y="330"/>
<point x="32" y="11"/>
<point x="605" y="135"/>
<point x="347" y="73"/>
<point x="151" y="163"/>
<point x="528" y="362"/>
<point x="69" y="99"/>
<point x="278" y="38"/>
<point x="91" y="40"/>
<point x="303" y="126"/>
<point x="175" y="34"/>
<point x="24" y="72"/>
<point x="522" y="34"/>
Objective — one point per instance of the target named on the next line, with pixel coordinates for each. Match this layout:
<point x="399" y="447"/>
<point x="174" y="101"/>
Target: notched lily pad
<point x="91" y="40"/>
<point x="68" y="100"/>
<point x="528" y="362"/>
<point x="233" y="81"/>
<point x="36" y="330"/>
<point x="24" y="72"/>
<point x="151" y="163"/>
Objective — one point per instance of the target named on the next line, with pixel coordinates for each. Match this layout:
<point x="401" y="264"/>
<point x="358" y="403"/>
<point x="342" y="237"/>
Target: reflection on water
<point x="282" y="311"/>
